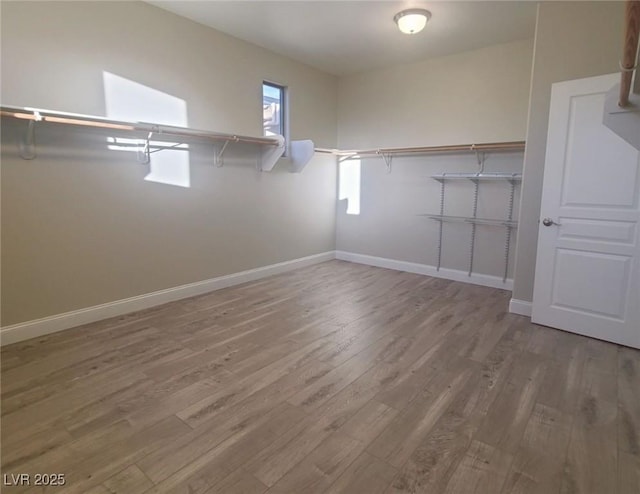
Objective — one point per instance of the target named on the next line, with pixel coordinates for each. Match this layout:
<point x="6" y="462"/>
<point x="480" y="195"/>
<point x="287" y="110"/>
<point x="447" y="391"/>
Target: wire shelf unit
<point x="508" y="223"/>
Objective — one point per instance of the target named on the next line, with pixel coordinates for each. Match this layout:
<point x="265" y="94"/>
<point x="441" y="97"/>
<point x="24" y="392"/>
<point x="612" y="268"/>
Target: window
<point x="273" y="112"/>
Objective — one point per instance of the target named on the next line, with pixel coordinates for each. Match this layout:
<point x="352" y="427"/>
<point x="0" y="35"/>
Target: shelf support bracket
<point x="27" y="145"/>
<point x="269" y="156"/>
<point x="218" y="156"/>
<point x="388" y="158"/>
<point x="480" y="156"/>
<point x="144" y="154"/>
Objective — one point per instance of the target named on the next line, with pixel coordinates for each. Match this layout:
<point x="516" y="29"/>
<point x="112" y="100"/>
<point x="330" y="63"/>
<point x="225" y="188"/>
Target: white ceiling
<point x="345" y="37"/>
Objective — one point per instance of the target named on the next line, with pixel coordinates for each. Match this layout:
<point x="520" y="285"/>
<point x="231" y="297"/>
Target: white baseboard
<point x="412" y="267"/>
<point x="52" y="324"/>
<point x="521" y="307"/>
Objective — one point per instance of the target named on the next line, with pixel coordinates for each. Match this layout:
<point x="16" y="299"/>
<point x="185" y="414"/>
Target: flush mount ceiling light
<point x="412" y="21"/>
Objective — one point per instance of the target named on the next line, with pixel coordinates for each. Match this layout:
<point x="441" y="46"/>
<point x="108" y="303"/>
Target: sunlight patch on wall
<point x="130" y="101"/>
<point x="349" y="184"/>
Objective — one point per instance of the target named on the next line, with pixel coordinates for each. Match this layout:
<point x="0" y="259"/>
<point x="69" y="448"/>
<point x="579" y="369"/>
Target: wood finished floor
<point x="333" y="378"/>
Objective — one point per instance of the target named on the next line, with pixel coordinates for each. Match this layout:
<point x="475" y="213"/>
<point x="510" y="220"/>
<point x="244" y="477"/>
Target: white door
<point x="587" y="275"/>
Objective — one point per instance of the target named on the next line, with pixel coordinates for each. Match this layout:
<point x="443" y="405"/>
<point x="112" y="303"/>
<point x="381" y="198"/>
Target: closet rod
<point x="91" y="121"/>
<point x="629" y="55"/>
<point x="488" y="146"/>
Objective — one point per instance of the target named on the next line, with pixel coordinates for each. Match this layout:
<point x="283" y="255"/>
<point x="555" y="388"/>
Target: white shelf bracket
<point x="27" y="145"/>
<point x="218" y="156"/>
<point x="388" y="158"/>
<point x="480" y="156"/>
<point x="144" y="155"/>
<point x="270" y="155"/>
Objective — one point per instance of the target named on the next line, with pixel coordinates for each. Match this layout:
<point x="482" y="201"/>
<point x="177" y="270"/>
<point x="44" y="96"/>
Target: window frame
<point x="284" y="108"/>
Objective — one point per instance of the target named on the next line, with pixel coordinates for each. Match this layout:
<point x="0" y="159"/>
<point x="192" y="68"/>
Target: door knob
<point x="549" y="222"/>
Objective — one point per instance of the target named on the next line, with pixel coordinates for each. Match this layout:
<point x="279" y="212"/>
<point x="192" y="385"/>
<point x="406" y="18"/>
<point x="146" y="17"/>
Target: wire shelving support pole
<point x="507" y="244"/>
<point x="440" y="223"/>
<point x="480" y="156"/>
<point x="473" y="225"/>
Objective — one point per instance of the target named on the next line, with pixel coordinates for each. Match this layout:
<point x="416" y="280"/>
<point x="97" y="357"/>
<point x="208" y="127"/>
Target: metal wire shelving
<point x="508" y="223"/>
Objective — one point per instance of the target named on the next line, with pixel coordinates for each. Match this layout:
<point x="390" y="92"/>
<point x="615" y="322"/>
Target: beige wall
<point x="476" y="96"/>
<point x="573" y="40"/>
<point x="80" y="224"/>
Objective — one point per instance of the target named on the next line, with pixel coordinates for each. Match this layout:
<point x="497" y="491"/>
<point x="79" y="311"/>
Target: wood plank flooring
<point x="333" y="378"/>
